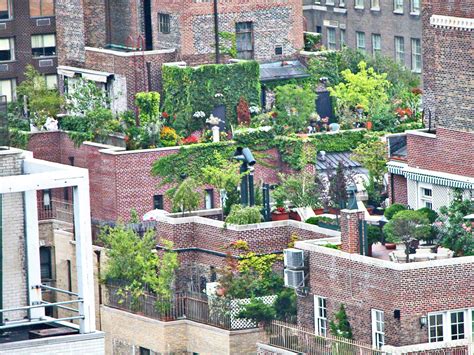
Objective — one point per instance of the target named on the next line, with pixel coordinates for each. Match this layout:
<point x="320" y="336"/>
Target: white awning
<point x="93" y="75"/>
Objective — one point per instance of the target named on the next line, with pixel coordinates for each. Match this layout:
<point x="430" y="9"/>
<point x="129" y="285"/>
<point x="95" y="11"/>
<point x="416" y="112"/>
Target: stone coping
<point x="269" y="349"/>
<point x="38" y="343"/>
<point x="314" y="246"/>
<point x="421" y="132"/>
<point x="248" y="227"/>
<point x="425" y="346"/>
<point x="130" y="54"/>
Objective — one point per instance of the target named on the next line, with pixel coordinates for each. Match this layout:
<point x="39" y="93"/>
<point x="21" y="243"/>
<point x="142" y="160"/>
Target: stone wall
<point x="172" y="337"/>
<point x="449" y="69"/>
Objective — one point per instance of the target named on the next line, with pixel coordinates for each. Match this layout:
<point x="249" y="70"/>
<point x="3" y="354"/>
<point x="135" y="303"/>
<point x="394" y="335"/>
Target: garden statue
<point x="51" y="124"/>
<point x="214" y="122"/>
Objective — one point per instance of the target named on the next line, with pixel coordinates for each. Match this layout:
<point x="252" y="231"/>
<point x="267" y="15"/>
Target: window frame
<point x="415" y="10"/>
<point x="358" y="47"/>
<point x="342" y="38"/>
<point x="164" y="23"/>
<point x="11" y="45"/>
<point x="359" y="4"/>
<point x="342" y="3"/>
<point x="244" y="33"/>
<point x="44" y="55"/>
<point x="46" y="263"/>
<point x="446" y="325"/>
<point x="378" y="328"/>
<point x="377" y="51"/>
<point x="330" y="3"/>
<point x="210" y="193"/>
<point x="415" y="57"/>
<point x="321" y="316"/>
<point x="41" y="11"/>
<point x="331" y="45"/>
<point x="375" y="5"/>
<point x="158" y="200"/>
<point x="12" y="93"/>
<point x="398" y="6"/>
<point x="398" y="53"/>
<point x="9" y="10"/>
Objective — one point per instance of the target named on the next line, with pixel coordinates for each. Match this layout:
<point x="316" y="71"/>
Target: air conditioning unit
<point x="294" y="278"/>
<point x="293" y="258"/>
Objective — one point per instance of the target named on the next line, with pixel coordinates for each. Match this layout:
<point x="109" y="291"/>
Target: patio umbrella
<point x="153" y="215"/>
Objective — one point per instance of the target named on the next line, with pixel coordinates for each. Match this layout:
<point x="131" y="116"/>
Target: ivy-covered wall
<point x="187" y="90"/>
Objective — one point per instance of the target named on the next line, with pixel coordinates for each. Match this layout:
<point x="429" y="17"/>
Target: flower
<point x="218" y="95"/>
<point x="190" y="140"/>
<point x="416" y="91"/>
<point x="213" y="120"/>
<point x="359" y="107"/>
<point x="199" y="114"/>
<point x="274" y="114"/>
<point x="165" y="115"/>
<point x="254" y="109"/>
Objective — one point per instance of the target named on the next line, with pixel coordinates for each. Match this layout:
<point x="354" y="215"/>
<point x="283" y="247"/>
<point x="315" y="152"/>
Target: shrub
<point x="285" y="305"/>
<point x="374" y="234"/>
<point x="340" y="326"/>
<point x="186" y="196"/>
<point x="317" y="220"/>
<point x="168" y="137"/>
<point x="148" y="104"/>
<point x="243" y="112"/>
<point x="429" y="213"/>
<point x="258" y="311"/>
<point x="393" y="210"/>
<point x="294" y="105"/>
<point x="244" y="215"/>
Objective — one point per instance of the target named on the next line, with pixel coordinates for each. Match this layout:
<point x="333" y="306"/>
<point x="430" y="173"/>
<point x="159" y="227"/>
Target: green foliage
<point x="186" y="197"/>
<point x="429" y="213"/>
<point x="133" y="262"/>
<point x="318" y="219"/>
<point x="338" y="187"/>
<point x="244" y="215"/>
<point x="187" y="90"/>
<point x="168" y="137"/>
<point x="190" y="160"/>
<point x="258" y="311"/>
<point x="332" y="246"/>
<point x="285" y="305"/>
<point x="393" y="209"/>
<point x="294" y="104"/>
<point x="259" y="138"/>
<point x="85" y="96"/>
<point x="340" y="326"/>
<point x="148" y="104"/>
<point x="228" y="44"/>
<point x="42" y="102"/>
<point x="374" y="234"/>
<point x="300" y="189"/>
<point x="365" y="87"/>
<point x="373" y="156"/>
<point x="455" y="231"/>
<point x="312" y="42"/>
<point x="19" y="138"/>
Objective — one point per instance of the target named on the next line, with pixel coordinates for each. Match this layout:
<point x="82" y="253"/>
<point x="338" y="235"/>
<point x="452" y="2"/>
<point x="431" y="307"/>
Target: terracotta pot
<point x="318" y="211"/>
<point x="334" y="210"/>
<point x="370" y="210"/>
<point x="390" y="246"/>
<point x="368" y="125"/>
<point x="295" y="216"/>
<point x="280" y="216"/>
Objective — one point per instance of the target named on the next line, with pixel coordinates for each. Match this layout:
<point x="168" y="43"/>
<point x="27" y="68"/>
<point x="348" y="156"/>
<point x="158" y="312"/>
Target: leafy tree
<point x="241" y="215"/>
<point x="340" y="326"/>
<point x="338" y="187"/>
<point x="366" y="88"/>
<point x="285" y="305"/>
<point x="455" y="232"/>
<point x="299" y="188"/>
<point x="133" y="262"/>
<point x="186" y="197"/>
<point x="42" y="101"/>
<point x="406" y="227"/>
<point x="85" y="96"/>
<point x="294" y="104"/>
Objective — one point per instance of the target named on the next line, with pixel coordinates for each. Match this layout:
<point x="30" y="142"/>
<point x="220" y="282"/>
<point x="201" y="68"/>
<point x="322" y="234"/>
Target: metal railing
<point x="301" y="340"/>
<point x="57" y="209"/>
<point x="42" y="304"/>
<point x="192" y="306"/>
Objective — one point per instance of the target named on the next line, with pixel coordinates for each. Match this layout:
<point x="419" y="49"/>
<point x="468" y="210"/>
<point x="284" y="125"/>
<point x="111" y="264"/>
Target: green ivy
<point x="18" y="138"/>
<point x="187" y="90"/>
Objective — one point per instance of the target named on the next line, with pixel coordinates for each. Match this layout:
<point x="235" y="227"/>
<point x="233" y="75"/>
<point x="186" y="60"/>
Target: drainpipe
<point x="216" y="32"/>
<point x="1" y="259"/>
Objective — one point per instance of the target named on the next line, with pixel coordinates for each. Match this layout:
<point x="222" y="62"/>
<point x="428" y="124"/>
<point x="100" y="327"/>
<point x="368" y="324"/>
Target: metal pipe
<point x="26" y="324"/>
<point x="59" y="290"/>
<point x="216" y="32"/>
<point x="38" y="306"/>
<point x="48" y="304"/>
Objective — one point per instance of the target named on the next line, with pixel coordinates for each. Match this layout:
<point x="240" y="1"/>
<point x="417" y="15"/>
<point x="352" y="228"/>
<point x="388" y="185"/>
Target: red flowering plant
<point x="404" y="113"/>
<point x="189" y="140"/>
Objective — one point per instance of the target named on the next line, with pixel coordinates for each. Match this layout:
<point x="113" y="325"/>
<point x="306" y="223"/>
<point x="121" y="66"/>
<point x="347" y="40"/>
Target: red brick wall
<point x="400" y="192"/>
<point x="451" y="151"/>
<point x="361" y="287"/>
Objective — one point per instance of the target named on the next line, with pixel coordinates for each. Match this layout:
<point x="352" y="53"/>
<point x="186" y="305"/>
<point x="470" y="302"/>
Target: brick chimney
<point x="349" y="221"/>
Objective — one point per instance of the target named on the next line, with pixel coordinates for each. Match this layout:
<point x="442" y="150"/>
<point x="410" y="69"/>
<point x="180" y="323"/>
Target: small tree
<point x="186" y="197"/>
<point x="338" y="187"/>
<point x="148" y="104"/>
<point x="340" y="326"/>
<point x="243" y="112"/>
<point x="300" y="189"/>
<point x="244" y="215"/>
<point x="406" y="227"/>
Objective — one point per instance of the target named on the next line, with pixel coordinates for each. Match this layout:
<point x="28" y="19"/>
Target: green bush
<point x="285" y="305"/>
<point x="244" y="215"/>
<point x="393" y="210"/>
<point x="374" y="234"/>
<point x="317" y="220"/>
<point x="407" y="226"/>
<point x="294" y="104"/>
<point x="429" y="213"/>
<point x="258" y="311"/>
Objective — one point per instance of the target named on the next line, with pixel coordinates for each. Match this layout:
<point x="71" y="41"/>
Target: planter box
<point x="333" y="210"/>
<point x="318" y="211"/>
<point x="280" y="216"/>
<point x="294" y="216"/>
<point x="390" y="246"/>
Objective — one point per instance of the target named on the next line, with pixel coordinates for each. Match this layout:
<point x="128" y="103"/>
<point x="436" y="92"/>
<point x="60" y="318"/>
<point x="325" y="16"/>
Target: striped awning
<point x="397" y="169"/>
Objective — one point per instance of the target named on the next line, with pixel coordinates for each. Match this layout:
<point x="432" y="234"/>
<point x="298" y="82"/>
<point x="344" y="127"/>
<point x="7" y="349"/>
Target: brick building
<point x="27" y="36"/>
<point x="426" y="165"/>
<point x="387" y="303"/>
<point x="390" y="28"/>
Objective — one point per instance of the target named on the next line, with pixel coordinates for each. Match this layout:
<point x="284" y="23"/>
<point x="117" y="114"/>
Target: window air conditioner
<point x="294" y="278"/>
<point x="293" y="258"/>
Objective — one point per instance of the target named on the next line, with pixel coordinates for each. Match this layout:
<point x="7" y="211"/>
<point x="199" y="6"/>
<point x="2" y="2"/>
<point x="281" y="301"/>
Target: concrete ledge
<point x="274" y="350"/>
<point x="130" y="54"/>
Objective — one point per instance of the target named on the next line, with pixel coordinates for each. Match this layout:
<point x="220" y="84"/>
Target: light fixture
<point x="423" y="321"/>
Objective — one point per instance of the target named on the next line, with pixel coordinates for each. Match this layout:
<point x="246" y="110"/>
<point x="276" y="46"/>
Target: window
<point x="342" y="3"/>
<point x="5" y="9"/>
<point x="158" y="202"/>
<point x="321" y="316"/>
<point x="342" y="35"/>
<point x="41" y="8"/>
<point x="244" y="40"/>
<point x="43" y="45"/>
<point x="209" y="199"/>
<point x="51" y="81"/>
<point x="359" y="4"/>
<point x="330" y="2"/>
<point x="400" y="50"/>
<point x="416" y="55"/>
<point x="360" y="41"/>
<point x="375" y="4"/>
<point x="278" y="50"/>
<point x="45" y="263"/>
<point x="69" y="275"/>
<point x="426" y="196"/>
<point x="415" y="7"/>
<point x="47" y="200"/>
<point x="8" y="89"/>
<point x="7" y="51"/>
<point x="376" y="44"/>
<point x="331" y="33"/>
<point x="435" y="327"/>
<point x="472" y="324"/>
<point x="164" y="23"/>
<point x="378" y="328"/>
<point x="144" y="351"/>
<point x="457" y="325"/>
<point x="319" y="29"/>
<point x="398" y="6"/>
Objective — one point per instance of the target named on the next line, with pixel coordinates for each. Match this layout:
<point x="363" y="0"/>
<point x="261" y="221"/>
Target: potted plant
<point x="280" y="212"/>
<point x="294" y="215"/>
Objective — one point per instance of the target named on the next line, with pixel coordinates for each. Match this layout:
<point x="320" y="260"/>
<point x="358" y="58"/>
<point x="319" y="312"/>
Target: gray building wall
<point x="384" y="22"/>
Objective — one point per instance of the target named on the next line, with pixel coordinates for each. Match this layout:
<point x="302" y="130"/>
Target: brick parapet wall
<point x="400" y="189"/>
<point x="350" y="230"/>
<point x="363" y="283"/>
<point x="449" y="151"/>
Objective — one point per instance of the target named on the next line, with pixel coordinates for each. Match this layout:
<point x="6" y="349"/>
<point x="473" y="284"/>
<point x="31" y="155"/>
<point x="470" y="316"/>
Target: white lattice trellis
<point x="238" y="305"/>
